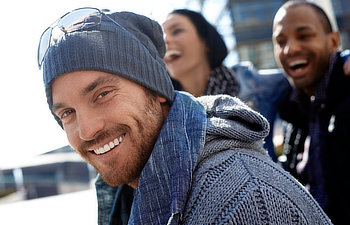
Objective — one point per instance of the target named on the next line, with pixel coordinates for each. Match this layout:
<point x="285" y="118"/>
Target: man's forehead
<point x="296" y="17"/>
<point x="279" y="16"/>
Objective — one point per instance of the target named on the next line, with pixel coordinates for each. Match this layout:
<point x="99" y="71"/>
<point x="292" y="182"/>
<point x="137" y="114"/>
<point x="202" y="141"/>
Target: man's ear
<point x="334" y="41"/>
<point x="164" y="104"/>
<point x="161" y="99"/>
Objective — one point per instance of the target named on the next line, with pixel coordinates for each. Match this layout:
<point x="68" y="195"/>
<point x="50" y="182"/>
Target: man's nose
<point x="89" y="125"/>
<point x="292" y="46"/>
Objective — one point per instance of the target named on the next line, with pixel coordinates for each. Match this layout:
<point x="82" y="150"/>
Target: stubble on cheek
<point x="141" y="137"/>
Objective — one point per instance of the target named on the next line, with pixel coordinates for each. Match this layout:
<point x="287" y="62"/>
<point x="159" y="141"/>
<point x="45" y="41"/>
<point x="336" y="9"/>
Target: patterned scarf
<point x="222" y="80"/>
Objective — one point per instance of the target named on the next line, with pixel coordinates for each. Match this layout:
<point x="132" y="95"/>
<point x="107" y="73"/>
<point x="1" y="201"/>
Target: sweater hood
<point x="233" y="124"/>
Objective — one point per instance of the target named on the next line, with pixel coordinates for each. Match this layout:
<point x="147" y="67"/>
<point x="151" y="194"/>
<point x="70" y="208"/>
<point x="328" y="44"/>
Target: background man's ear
<point x="334" y="41"/>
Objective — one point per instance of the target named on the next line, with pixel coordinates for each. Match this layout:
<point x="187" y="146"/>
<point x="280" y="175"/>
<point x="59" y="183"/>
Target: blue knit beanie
<point x="134" y="50"/>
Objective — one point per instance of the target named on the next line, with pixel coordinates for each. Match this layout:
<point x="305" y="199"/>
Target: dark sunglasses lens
<point x="78" y="19"/>
<point x="44" y="45"/>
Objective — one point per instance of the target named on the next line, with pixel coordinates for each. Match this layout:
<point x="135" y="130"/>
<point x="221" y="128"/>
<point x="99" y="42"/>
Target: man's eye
<point x="281" y="42"/>
<point x="103" y="94"/>
<point x="305" y="36"/>
<point x="66" y="113"/>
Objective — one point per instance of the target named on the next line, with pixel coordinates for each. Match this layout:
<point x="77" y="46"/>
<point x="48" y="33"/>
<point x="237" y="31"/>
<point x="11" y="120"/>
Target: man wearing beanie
<point x="163" y="156"/>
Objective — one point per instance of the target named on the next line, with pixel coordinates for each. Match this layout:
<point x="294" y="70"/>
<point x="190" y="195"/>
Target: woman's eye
<point x="177" y="31"/>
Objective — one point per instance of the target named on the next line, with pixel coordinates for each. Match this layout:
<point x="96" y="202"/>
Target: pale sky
<point x="27" y="126"/>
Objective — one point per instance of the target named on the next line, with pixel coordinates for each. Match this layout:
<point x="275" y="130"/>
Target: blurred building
<point x="252" y="24"/>
<point x="342" y="15"/>
<point x="56" y="172"/>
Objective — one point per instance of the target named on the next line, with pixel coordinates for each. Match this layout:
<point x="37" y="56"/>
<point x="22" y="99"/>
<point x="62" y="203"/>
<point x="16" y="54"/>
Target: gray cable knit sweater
<point x="208" y="167"/>
<point x="236" y="182"/>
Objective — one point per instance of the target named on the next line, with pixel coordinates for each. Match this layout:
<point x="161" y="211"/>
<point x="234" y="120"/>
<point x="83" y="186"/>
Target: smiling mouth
<point x="109" y="146"/>
<point x="171" y="56"/>
<point x="298" y="65"/>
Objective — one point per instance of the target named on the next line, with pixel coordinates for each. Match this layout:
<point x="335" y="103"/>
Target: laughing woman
<point x="195" y="52"/>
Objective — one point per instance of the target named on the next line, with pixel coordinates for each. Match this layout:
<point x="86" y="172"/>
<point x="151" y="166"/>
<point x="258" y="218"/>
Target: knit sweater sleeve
<point x="245" y="187"/>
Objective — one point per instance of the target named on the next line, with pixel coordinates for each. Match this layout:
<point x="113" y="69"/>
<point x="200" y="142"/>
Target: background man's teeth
<point x="297" y="62"/>
<point x="116" y="141"/>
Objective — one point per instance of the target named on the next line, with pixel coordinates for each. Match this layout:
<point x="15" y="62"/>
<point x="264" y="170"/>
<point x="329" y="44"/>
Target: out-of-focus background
<point x="42" y="180"/>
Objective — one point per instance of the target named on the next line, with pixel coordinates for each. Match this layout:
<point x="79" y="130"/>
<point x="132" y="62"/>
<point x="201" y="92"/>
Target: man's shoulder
<point x="242" y="171"/>
<point x="241" y="183"/>
<point x="338" y="90"/>
<point x="241" y="162"/>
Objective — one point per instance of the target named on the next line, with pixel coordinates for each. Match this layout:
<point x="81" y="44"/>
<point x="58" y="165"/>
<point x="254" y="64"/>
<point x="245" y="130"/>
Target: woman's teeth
<point x="109" y="146"/>
<point x="170" y="55"/>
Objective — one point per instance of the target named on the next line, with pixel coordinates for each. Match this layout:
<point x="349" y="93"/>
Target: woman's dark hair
<point x="217" y="50"/>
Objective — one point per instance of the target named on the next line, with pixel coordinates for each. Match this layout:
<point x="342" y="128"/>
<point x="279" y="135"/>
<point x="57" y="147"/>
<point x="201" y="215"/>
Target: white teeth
<point x="99" y="151"/>
<point x="297" y="62"/>
<point x="171" y="53"/>
<point x="109" y="146"/>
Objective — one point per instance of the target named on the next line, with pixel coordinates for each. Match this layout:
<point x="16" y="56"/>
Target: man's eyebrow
<point x="56" y="107"/>
<point x="90" y="87"/>
<point x="277" y="34"/>
<point x="99" y="81"/>
<point x="302" y="28"/>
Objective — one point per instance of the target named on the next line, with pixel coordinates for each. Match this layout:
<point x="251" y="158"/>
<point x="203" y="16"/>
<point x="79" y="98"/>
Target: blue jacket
<point x="264" y="91"/>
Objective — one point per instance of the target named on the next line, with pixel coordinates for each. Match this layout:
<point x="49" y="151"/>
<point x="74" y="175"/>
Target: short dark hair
<point x="327" y="26"/>
<point x="217" y="50"/>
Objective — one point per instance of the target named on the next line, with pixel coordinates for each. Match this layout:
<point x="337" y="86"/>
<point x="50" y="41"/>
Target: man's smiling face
<point x="113" y="123"/>
<point x="302" y="47"/>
